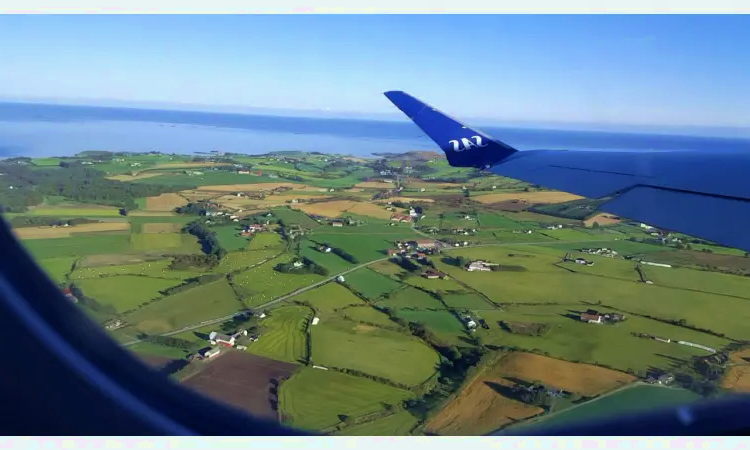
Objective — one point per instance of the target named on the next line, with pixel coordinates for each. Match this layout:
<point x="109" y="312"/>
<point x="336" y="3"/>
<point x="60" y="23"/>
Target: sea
<point x="42" y="130"/>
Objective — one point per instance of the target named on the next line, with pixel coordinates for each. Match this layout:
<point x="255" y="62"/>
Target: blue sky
<point x="659" y="70"/>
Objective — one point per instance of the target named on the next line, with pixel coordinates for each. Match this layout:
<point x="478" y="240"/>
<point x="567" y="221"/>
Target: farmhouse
<point x="210" y="353"/>
<point x="221" y="339"/>
<point x="337" y="223"/>
<point x="425" y="243"/>
<point x="315" y="320"/>
<point x="432" y="274"/>
<point x="591" y="316"/>
<point x="480" y="266"/>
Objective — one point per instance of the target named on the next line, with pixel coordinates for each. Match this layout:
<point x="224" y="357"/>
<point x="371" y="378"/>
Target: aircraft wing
<point x="698" y="193"/>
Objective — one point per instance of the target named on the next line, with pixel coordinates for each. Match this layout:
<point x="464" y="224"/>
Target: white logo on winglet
<point x="466" y="143"/>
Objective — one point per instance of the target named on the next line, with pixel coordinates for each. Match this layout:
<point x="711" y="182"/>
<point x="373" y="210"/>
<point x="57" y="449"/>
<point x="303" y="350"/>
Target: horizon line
<point x="709" y="131"/>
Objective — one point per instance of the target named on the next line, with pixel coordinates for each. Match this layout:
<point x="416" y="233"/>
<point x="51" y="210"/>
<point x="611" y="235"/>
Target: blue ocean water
<point x="59" y="130"/>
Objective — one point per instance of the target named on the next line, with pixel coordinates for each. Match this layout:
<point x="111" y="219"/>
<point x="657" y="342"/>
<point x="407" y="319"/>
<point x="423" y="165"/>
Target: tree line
<point x="78" y="183"/>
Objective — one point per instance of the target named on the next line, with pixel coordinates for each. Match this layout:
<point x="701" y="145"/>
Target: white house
<point x="340" y="279"/>
<point x="315" y="320"/>
<point x="211" y="353"/>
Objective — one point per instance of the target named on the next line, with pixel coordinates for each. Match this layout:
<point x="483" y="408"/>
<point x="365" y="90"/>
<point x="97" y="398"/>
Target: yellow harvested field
<point x="137" y="176"/>
<point x="150" y="228"/>
<point x="337" y="207"/>
<point x="737" y="379"/>
<point x="143" y="213"/>
<point x="250" y="187"/>
<point x="406" y="199"/>
<point x="375" y="185"/>
<point x="184" y="165"/>
<point x="353" y="190"/>
<point x="602" y="219"/>
<point x="63" y="232"/>
<point x="480" y="408"/>
<point x="165" y="202"/>
<point x="531" y="197"/>
<point x="740" y="357"/>
<point x="584" y="379"/>
<point x="328" y="209"/>
<point x="428" y="185"/>
<point x="195" y="196"/>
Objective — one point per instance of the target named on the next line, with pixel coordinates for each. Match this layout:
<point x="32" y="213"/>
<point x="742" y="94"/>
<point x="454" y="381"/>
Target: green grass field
<point x="262" y="241"/>
<point x="57" y="268"/>
<point x="241" y="260"/>
<point x="329" y="297"/>
<point x="230" y="238"/>
<point x="389" y="354"/>
<point x="444" y="324"/>
<point x="371" y="284"/>
<point x="411" y="298"/>
<point x="155" y="241"/>
<point x="489" y="220"/>
<point x="283" y="334"/>
<point x="206" y="302"/>
<point x="124" y="292"/>
<point x="399" y="424"/>
<point x="639" y="398"/>
<point x="81" y="245"/>
<point x="330" y="261"/>
<point x="263" y="284"/>
<point x="369" y="315"/>
<point x="314" y="399"/>
<point x="466" y="300"/>
<point x="152" y="269"/>
<point x="613" y="345"/>
<point x="363" y="247"/>
<point x="79" y="211"/>
<point x="294" y="217"/>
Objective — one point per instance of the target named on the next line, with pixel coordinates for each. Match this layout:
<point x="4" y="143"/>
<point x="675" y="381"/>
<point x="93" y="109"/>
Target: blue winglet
<point x="463" y="146"/>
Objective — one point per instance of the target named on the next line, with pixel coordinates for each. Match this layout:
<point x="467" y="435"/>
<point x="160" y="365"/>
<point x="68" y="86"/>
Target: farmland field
<point x="230" y="238"/>
<point x="124" y="292"/>
<point x="165" y="202"/>
<point x="208" y="301"/>
<point x="480" y="408"/>
<point x="531" y="197"/>
<point x="158" y="227"/>
<point x="329" y="297"/>
<point x="292" y="217"/>
<point x="444" y="324"/>
<point x="78" y="245"/>
<point x="56" y="268"/>
<point x="367" y="314"/>
<point x="399" y="424"/>
<point x="581" y="379"/>
<point x="371" y="284"/>
<point x="283" y="336"/>
<point x="314" y="399"/>
<point x="263" y="283"/>
<point x="411" y="298"/>
<point x="388" y="354"/>
<point x="630" y="400"/>
<point x="242" y="380"/>
<point x="154" y="241"/>
<point x="65" y="232"/>
<point x="265" y="240"/>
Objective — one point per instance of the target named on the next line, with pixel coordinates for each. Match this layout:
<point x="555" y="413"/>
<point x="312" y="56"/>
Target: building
<point x="432" y="274"/>
<point x="340" y="279"/>
<point x="480" y="266"/>
<point x="221" y="339"/>
<point x="337" y="223"/>
<point x="315" y="320"/>
<point x="243" y="172"/>
<point x="425" y="243"/>
<point x="208" y="354"/>
<point x="401" y="218"/>
<point x="667" y="378"/>
<point x="591" y="316"/>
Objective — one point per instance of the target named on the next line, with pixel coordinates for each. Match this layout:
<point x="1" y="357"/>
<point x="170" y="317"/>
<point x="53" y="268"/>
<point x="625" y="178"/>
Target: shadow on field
<point x="173" y="367"/>
<point x="676" y="362"/>
<point x="505" y="391"/>
<point x="199" y="335"/>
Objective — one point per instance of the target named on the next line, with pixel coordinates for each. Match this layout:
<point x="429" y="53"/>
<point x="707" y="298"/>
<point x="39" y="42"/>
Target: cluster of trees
<point x="191" y="208"/>
<point x="184" y="262"/>
<point x="78" y="183"/>
<point x="207" y="238"/>
<point x="191" y="283"/>
<point x="168" y="341"/>
<point x="40" y="221"/>
<point x="308" y="266"/>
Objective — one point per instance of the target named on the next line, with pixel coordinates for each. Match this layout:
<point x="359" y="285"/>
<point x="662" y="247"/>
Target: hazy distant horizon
<point x="678" y="130"/>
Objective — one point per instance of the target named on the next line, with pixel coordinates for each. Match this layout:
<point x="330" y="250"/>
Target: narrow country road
<point x="329" y="279"/>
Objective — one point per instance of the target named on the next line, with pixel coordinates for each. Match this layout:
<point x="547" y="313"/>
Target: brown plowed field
<point x="243" y="380"/>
